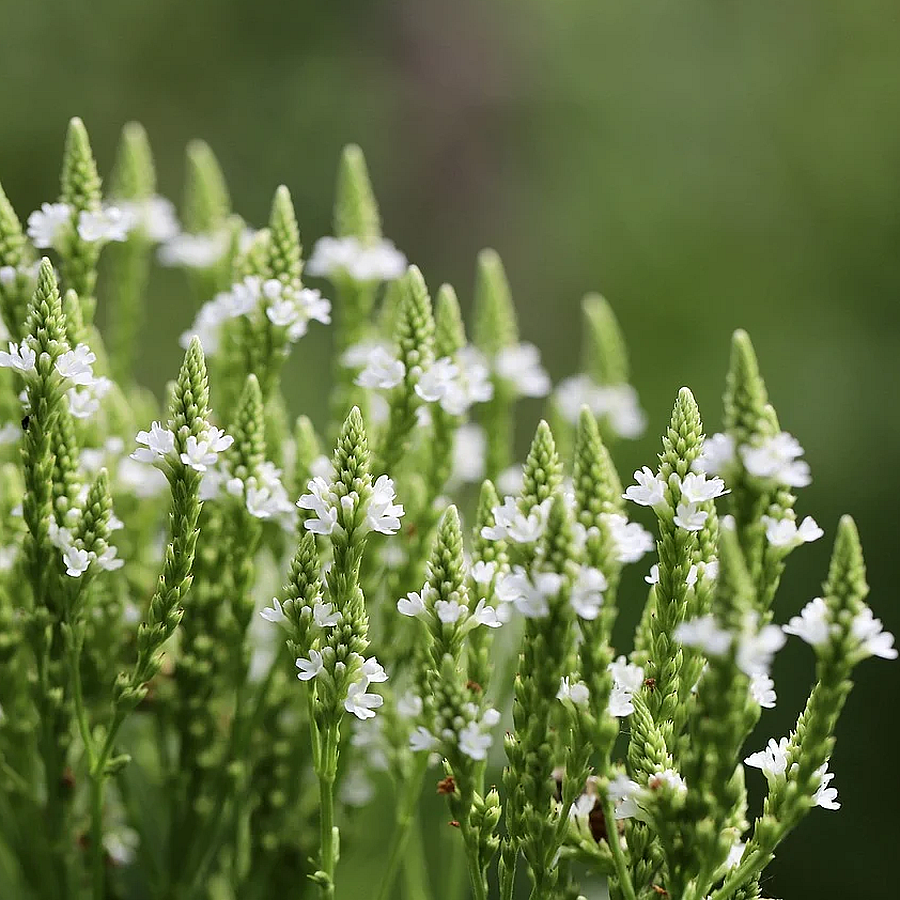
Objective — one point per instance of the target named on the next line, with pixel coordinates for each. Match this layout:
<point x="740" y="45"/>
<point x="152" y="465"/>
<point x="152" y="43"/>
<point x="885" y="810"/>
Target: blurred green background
<point x="706" y="165"/>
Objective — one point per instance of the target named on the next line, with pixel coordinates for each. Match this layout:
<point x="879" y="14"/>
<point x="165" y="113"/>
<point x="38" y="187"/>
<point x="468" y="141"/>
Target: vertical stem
<point x="621" y="864"/>
<point x="98" y="861"/>
<point x="326" y="772"/>
<point x="404" y="820"/>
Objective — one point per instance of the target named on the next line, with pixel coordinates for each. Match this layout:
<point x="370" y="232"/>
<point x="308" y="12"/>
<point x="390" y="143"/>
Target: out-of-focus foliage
<point x="705" y="165"/>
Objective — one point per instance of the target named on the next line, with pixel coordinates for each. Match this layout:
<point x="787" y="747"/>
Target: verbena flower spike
<point x="218" y="644"/>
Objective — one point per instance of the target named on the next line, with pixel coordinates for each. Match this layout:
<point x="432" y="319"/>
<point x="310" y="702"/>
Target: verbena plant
<point x="155" y="740"/>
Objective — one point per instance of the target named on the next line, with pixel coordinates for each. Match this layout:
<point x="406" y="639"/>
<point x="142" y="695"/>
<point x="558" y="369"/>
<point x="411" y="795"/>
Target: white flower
<point x="319" y="501"/>
<point x="473" y="742"/>
<point x="587" y="592"/>
<point x="411" y="605"/>
<point x="667" y="778"/>
<point x="627" y="678"/>
<point x="653" y="576"/>
<point x="422" y="739"/>
<point x="194" y="251"/>
<point x="361" y="704"/>
<point x="762" y="690"/>
<point x="705" y="634"/>
<point x="583" y="806"/>
<point x="356" y="789"/>
<point x="310" y="668"/>
<point x="409" y="705"/>
<point x="382" y="370"/>
<point x="756" y="649"/>
<point x="528" y="595"/>
<point x="325" y="615"/>
<point x="875" y="641"/>
<point x="142" y="480"/>
<point x="486" y="615"/>
<point x="274" y="613"/>
<point x="202" y="453"/>
<point x="520" y="365"/>
<point x="377" y="261"/>
<point x="383" y="515"/>
<point x="697" y="488"/>
<point x="483" y="572"/>
<point x="107" y="224"/>
<point x="159" y="444"/>
<point x="20" y="357"/>
<point x="576" y="691"/>
<point x="76" y="561"/>
<point x="435" y="381"/>
<point x="8" y="559"/>
<point x="154" y="216"/>
<point x="777" y="458"/>
<point x="717" y="455"/>
<point x="622" y="791"/>
<point x="785" y="533"/>
<point x="688" y="517"/>
<point x="812" y="624"/>
<point x="108" y="560"/>
<point x="471" y="384"/>
<point x="77" y="365"/>
<point x="735" y="854"/>
<point x="82" y="404"/>
<point x="825" y="796"/>
<point x="650" y="489"/>
<point x="449" y="611"/>
<point x="772" y="759"/>
<point x="469" y="450"/>
<point x="630" y="539"/>
<point x="511" y="479"/>
<point x="45" y="225"/>
<point x="510" y="523"/>
<point x="9" y="433"/>
<point x="374" y="671"/>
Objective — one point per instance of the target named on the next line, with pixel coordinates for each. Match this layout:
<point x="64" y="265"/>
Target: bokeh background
<point x="706" y="165"/>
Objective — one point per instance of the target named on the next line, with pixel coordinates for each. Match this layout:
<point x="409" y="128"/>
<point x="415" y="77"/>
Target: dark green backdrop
<point x="706" y="165"/>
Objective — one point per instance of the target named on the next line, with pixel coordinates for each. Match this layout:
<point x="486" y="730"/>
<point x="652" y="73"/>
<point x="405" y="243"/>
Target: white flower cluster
<point x="814" y="626"/>
<point x="352" y="258"/>
<point x="629" y="797"/>
<point x="193" y="251"/>
<point x="756" y="649"/>
<point x="75" y="367"/>
<point x="418" y="604"/>
<point x="455" y="384"/>
<point x="48" y="225"/>
<point x="472" y="737"/>
<point x="285" y="307"/>
<point x="263" y="492"/>
<point x="695" y="488"/>
<point x="199" y="454"/>
<point x="381" y="514"/>
<point x="618" y="403"/>
<point x="627" y="678"/>
<point x="519" y="365"/>
<point x="75" y="558"/>
<point x="773" y="761"/>
<point x="358" y="701"/>
<point x="775" y="458"/>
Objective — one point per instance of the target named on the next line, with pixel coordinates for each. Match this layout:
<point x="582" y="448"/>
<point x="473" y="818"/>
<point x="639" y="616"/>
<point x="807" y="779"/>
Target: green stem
<point x="415" y="873"/>
<point x="476" y="876"/>
<point x="406" y="814"/>
<point x="740" y="875"/>
<point x="621" y="864"/>
<point x="326" y="772"/>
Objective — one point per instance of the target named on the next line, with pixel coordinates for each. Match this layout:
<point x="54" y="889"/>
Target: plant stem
<point x="326" y="772"/>
<point x="404" y="820"/>
<point x="621" y="864"/>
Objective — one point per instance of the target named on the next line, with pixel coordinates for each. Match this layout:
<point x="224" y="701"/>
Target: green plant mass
<point x="232" y="637"/>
